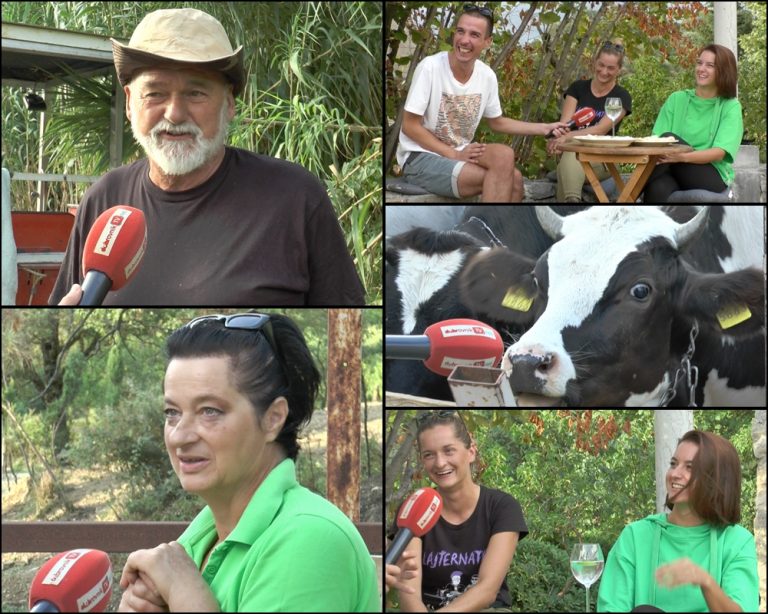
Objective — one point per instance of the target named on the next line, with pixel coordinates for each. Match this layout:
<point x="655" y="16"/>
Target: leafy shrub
<point x="538" y="574"/>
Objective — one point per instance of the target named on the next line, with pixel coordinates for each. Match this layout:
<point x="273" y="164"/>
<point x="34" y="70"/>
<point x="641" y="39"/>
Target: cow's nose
<point x="529" y="371"/>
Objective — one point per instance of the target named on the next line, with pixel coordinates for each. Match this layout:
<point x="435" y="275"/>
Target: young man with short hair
<point x="451" y="91"/>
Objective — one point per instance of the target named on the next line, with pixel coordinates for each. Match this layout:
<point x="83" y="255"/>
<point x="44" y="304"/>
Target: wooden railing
<point x="118" y="536"/>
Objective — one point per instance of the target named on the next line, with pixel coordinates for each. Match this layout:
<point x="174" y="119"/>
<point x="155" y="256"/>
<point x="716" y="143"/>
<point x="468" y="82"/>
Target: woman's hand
<point x="142" y="596"/>
<point x="672" y="158"/>
<point x="405" y="570"/>
<point x="680" y="572"/>
<point x="553" y="145"/>
<point x="172" y="576"/>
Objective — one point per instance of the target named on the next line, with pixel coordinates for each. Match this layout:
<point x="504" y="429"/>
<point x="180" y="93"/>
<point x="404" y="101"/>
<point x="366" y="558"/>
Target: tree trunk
<point x="669" y="425"/>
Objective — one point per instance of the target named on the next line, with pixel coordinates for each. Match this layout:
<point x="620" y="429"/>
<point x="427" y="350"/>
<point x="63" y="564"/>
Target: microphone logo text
<point x="109" y="235"/>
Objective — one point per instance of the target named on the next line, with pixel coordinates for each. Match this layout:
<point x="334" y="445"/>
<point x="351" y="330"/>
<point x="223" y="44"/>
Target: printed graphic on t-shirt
<point x="457" y="118"/>
<point x="449" y="592"/>
<point x="460" y="580"/>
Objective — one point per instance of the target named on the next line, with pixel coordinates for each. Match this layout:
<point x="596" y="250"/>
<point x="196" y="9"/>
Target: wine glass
<point x="613" y="110"/>
<point x="587" y="565"/>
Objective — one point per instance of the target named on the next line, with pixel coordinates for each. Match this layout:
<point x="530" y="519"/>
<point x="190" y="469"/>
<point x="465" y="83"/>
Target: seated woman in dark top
<point x="462" y="563"/>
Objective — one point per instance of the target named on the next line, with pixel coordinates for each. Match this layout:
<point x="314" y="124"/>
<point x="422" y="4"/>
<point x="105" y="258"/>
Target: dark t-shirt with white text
<point x="451" y="554"/>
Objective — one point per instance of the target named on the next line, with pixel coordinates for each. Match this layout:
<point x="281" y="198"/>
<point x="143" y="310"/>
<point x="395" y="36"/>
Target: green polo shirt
<point x="291" y="551"/>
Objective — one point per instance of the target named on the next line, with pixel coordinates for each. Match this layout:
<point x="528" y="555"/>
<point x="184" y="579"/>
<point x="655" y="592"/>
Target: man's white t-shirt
<point x="451" y="109"/>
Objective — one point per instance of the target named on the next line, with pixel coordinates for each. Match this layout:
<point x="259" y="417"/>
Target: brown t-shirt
<point x="260" y="231"/>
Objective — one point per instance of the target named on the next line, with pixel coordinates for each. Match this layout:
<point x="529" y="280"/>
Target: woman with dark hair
<point x="697" y="558"/>
<point x="237" y="391"/>
<point x="462" y="563"/>
<point x="709" y="119"/>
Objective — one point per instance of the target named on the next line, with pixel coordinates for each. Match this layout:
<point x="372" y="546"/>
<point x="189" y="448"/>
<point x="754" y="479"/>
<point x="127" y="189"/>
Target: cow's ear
<point x="729" y="303"/>
<point x="500" y="283"/>
<point x="391" y="256"/>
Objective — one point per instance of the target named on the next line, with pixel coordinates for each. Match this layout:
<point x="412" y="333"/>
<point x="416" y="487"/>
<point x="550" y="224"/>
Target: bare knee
<point x="518" y="187"/>
<point x="507" y="160"/>
<point x="500" y="158"/>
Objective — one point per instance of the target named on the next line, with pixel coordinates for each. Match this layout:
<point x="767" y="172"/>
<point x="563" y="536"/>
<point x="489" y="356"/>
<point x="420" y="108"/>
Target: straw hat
<point x="185" y="38"/>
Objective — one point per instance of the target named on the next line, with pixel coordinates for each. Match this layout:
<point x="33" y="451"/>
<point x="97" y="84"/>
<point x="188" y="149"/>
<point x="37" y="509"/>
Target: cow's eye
<point x="640" y="291"/>
<point x="535" y="283"/>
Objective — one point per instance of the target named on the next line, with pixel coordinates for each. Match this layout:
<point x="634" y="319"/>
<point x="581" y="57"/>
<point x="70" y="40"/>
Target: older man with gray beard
<point x="225" y="226"/>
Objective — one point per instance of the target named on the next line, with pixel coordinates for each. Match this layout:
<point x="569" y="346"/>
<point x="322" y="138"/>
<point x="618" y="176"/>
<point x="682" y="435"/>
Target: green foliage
<point x="538" y="575"/>
<point x="165" y="500"/>
<point x="752" y="90"/>
<point x="355" y="191"/>
<point x="126" y="436"/>
<point x="650" y="83"/>
<point x="594" y="496"/>
<point x="111" y="364"/>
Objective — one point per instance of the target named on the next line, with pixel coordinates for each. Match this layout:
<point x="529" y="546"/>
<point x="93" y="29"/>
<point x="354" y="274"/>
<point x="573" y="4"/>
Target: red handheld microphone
<point x="581" y="118"/>
<point x="417" y="516"/>
<point x="448" y="344"/>
<point x="113" y="251"/>
<point x="73" y="581"/>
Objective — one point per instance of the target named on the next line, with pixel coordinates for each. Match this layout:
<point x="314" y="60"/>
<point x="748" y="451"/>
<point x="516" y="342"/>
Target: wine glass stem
<point x="587" y="610"/>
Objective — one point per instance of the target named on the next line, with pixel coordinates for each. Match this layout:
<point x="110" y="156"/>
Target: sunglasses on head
<point x="610" y="45"/>
<point x="483" y="10"/>
<point x="244" y="321"/>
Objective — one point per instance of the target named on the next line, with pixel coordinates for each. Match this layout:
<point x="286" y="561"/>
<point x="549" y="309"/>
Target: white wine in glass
<point x="613" y="109"/>
<point x="587" y="565"/>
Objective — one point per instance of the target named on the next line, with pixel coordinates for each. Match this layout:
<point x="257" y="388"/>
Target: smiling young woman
<point x="697" y="558"/>
<point x="464" y="560"/>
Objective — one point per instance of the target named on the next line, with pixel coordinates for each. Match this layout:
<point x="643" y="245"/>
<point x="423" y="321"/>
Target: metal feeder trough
<point x="481" y="387"/>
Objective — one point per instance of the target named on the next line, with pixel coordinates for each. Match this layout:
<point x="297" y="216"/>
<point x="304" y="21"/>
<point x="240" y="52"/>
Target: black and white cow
<point x="422" y="268"/>
<point x="611" y="305"/>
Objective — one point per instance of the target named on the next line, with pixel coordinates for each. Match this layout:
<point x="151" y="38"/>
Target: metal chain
<point x="690" y="371"/>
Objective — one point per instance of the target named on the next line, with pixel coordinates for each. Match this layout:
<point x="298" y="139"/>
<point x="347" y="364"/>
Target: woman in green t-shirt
<point x="237" y="391"/>
<point x="697" y="558"/>
<point x="707" y="118"/>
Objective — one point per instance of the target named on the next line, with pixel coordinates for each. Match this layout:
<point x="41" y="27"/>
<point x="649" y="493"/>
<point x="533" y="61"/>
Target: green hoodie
<point x="728" y="554"/>
<point x="704" y="123"/>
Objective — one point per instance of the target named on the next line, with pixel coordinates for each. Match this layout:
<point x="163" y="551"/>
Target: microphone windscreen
<point x="420" y="512"/>
<point x="462" y="342"/>
<point x="115" y="244"/>
<point x="75" y="581"/>
<point x="583" y="116"/>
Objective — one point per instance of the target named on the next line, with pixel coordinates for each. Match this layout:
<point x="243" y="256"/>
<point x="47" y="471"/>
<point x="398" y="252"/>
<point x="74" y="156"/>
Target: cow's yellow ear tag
<point x="516" y="299"/>
<point x="732" y="315"/>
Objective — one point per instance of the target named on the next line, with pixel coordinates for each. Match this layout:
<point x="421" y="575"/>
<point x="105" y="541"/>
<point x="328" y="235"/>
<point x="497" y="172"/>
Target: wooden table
<point x="643" y="157"/>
